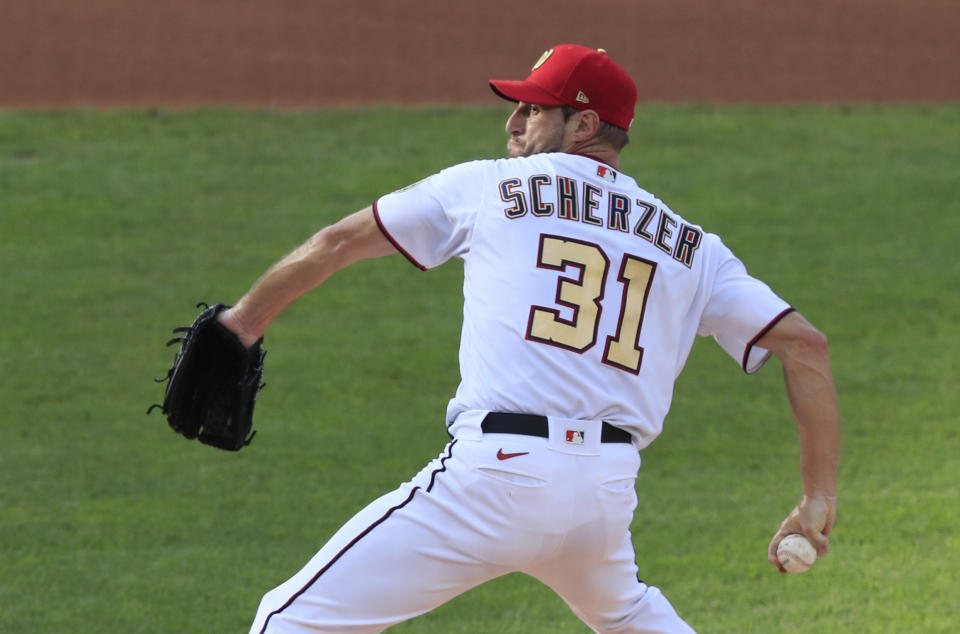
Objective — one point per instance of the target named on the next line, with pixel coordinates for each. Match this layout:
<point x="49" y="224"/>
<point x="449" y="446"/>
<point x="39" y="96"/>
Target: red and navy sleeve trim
<point x="766" y="329"/>
<point x="383" y="230"/>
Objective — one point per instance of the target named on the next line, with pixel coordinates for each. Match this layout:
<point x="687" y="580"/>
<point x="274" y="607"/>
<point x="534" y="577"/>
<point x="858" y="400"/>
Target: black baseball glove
<point x="213" y="384"/>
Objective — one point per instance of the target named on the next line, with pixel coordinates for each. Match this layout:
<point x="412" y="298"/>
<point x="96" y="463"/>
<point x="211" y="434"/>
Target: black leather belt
<point x="534" y="425"/>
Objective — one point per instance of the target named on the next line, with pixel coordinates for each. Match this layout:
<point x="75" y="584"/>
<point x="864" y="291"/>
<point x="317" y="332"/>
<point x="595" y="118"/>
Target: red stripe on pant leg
<point x="364" y="533"/>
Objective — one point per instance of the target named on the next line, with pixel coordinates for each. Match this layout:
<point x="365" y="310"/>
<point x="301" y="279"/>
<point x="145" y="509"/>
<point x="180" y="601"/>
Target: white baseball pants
<point x="560" y="513"/>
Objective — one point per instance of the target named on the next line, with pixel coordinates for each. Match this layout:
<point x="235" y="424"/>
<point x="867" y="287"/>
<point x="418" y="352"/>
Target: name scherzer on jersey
<point x="583" y="293"/>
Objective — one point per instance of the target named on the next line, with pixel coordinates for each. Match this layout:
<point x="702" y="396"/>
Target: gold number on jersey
<point x="584" y="294"/>
<point x="623" y="351"/>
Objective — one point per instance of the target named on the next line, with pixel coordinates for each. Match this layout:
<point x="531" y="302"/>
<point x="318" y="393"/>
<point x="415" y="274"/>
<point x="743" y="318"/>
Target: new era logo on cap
<point x="577" y="76"/>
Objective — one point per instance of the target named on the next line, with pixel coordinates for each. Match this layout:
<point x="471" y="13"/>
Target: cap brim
<point x="512" y="90"/>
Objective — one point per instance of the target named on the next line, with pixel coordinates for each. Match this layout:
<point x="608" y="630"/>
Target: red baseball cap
<point x="577" y="76"/>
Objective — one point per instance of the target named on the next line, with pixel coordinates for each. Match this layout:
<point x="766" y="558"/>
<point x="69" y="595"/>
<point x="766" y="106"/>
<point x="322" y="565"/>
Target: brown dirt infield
<point x="305" y="53"/>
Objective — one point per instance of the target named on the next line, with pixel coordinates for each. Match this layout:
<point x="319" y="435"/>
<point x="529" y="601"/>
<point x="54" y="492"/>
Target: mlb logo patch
<point x="574" y="436"/>
<point x="606" y="173"/>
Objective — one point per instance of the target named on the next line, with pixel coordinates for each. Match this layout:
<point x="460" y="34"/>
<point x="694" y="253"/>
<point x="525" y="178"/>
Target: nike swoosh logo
<point x="507" y="456"/>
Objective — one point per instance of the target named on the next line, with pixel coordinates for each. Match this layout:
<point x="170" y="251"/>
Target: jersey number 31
<point x="584" y="295"/>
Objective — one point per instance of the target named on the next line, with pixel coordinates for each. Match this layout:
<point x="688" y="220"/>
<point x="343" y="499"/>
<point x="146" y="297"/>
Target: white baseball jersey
<point x="583" y="293"/>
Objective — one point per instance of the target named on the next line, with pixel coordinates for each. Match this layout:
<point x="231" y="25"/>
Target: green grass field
<point x="113" y="224"/>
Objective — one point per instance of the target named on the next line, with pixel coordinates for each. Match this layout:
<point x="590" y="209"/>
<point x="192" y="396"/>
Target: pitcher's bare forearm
<point x="810" y="388"/>
<point x="813" y="398"/>
<point x="353" y="238"/>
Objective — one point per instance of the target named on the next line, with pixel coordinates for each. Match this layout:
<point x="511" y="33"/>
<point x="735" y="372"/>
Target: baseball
<point x="796" y="553"/>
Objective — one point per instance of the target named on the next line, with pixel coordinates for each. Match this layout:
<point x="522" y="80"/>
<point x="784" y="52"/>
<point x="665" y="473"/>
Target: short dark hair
<point x="608" y="133"/>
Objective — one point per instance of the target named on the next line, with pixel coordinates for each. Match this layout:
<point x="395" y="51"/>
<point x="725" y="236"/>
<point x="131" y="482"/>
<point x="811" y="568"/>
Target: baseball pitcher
<point x="583" y="294"/>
